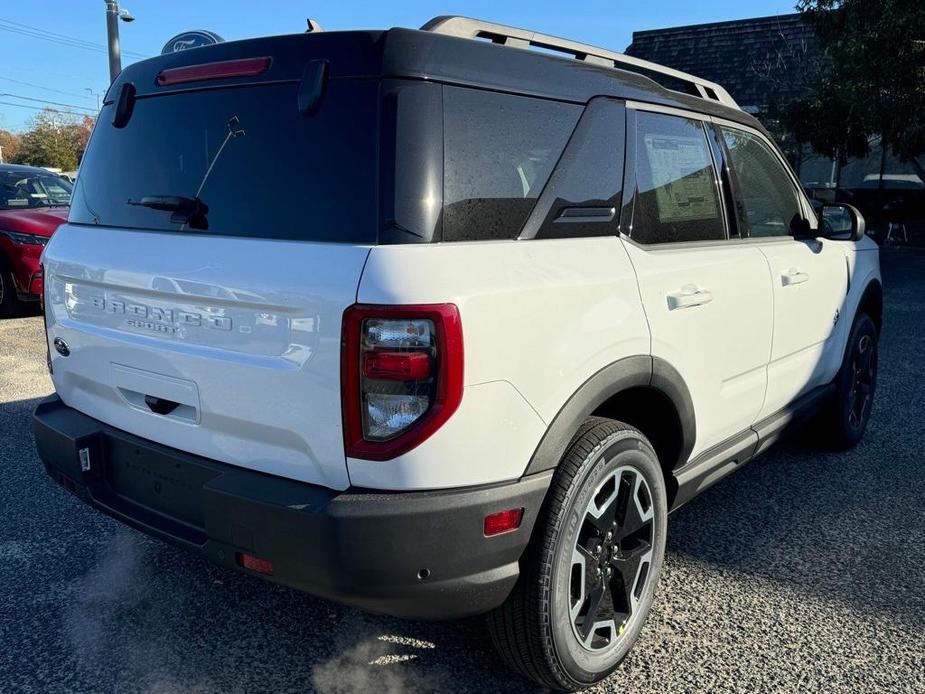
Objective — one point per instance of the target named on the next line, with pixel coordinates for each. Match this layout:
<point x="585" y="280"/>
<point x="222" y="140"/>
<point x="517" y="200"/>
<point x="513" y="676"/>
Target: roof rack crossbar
<point x="466" y="27"/>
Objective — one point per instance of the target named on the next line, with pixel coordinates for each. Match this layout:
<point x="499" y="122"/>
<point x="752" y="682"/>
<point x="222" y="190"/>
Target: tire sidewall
<point x="621" y="449"/>
<point x="863" y="325"/>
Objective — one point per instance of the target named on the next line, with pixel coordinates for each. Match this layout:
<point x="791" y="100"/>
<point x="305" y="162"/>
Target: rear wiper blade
<point x="186" y="210"/>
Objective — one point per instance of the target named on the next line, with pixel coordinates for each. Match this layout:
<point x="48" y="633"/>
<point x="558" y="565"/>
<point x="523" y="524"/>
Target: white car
<point x="436" y="326"/>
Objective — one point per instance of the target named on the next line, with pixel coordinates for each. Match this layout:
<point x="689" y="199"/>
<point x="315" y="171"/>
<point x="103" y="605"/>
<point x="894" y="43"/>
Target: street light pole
<point x="112" y="35"/>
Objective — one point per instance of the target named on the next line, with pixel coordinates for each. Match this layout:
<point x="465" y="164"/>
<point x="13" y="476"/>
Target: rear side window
<point x="767" y="192"/>
<point x="676" y="196"/>
<point x="499" y="151"/>
<point x="275" y="173"/>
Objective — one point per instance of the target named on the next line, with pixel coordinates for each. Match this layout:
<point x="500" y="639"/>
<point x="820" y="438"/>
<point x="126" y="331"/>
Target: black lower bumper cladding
<point x="418" y="555"/>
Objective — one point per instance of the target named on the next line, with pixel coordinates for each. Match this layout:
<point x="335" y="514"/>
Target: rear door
<point x="707" y="297"/>
<point x="809" y="276"/>
<point x="216" y="236"/>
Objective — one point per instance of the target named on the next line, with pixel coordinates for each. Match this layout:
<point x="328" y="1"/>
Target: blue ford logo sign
<point x="191" y="39"/>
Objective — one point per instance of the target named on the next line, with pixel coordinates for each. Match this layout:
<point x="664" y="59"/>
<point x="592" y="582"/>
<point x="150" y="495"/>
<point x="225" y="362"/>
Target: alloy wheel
<point x="611" y="559"/>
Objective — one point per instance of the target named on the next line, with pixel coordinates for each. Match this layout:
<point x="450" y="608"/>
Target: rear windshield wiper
<point x="186" y="210"/>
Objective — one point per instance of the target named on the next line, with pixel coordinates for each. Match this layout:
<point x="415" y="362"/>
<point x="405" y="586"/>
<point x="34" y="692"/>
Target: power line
<point x="39" y="108"/>
<point x="52" y="36"/>
<point x="45" y="101"/>
<point x="60" y="39"/>
<point x="47" y="89"/>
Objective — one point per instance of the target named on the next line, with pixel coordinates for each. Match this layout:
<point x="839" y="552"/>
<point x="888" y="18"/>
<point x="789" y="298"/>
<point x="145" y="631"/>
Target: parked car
<point x="508" y="311"/>
<point x="33" y="203"/>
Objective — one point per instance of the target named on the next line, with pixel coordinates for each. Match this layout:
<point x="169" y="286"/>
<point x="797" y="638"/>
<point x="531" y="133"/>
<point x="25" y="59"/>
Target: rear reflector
<point x="246" y="67"/>
<point x="249" y="561"/>
<point x="503" y="521"/>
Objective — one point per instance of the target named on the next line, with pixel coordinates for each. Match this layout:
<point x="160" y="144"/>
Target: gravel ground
<point x="802" y="571"/>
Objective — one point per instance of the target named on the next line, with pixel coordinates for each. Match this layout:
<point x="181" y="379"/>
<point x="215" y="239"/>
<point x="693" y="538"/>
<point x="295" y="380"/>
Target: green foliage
<point x="54" y="139"/>
<point x="875" y="82"/>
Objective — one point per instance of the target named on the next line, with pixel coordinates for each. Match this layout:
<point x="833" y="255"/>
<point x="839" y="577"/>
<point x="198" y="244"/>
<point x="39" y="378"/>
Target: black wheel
<point x="8" y="301"/>
<point x="588" y="580"/>
<point x="846" y="415"/>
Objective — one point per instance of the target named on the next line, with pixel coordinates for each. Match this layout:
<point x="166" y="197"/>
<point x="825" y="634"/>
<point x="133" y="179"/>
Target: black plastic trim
<point x="714" y="464"/>
<point x="409" y="554"/>
<point x="630" y="372"/>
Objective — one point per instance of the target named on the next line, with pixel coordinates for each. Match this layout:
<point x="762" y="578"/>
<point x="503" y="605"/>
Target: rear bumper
<point x="409" y="554"/>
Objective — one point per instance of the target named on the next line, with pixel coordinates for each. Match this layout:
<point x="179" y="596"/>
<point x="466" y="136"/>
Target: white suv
<point x="436" y="326"/>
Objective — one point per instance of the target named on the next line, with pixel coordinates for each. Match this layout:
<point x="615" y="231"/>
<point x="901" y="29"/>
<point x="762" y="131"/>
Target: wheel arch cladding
<point x="871" y="303"/>
<point x="642" y="391"/>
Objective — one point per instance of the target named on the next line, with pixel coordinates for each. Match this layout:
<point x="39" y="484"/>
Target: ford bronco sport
<point x="433" y="324"/>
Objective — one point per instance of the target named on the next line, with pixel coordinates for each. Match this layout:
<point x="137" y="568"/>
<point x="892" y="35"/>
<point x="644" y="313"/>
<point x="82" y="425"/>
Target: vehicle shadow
<point x="26" y="310"/>
<point x="846" y="525"/>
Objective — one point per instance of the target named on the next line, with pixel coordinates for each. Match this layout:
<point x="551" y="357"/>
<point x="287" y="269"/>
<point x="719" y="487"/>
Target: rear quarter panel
<point x="539" y="318"/>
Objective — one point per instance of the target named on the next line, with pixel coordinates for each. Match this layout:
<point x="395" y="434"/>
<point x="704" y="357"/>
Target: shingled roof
<point x="759" y="61"/>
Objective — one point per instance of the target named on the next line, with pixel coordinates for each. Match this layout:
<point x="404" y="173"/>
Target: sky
<point x="34" y="70"/>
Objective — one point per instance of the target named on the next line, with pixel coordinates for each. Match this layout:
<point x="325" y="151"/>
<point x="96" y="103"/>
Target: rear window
<point x="275" y="173"/>
<point x="499" y="150"/>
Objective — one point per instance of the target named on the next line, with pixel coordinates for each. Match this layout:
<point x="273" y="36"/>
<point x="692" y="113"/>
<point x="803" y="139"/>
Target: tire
<point x="9" y="304"/>
<point x="609" y="477"/>
<point x="845" y="415"/>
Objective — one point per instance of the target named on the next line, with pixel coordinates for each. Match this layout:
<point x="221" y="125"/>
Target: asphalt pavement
<point x="803" y="571"/>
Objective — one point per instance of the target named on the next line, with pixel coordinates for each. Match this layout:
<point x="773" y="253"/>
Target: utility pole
<point x="113" y="15"/>
<point x="112" y="35"/>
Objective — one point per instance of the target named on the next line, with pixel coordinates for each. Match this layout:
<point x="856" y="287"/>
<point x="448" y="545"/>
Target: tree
<point x="79" y="134"/>
<point x="55" y="139"/>
<point x="9" y="145"/>
<point x="874" y="83"/>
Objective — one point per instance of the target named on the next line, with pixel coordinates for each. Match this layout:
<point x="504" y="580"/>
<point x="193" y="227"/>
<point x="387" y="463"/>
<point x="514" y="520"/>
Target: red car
<point x="33" y="203"/>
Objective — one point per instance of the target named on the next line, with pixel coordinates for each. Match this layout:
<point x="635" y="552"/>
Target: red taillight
<point x="249" y="561"/>
<point x="397" y="366"/>
<point x="503" y="521"/>
<point x="246" y="67"/>
<point x="401" y="376"/>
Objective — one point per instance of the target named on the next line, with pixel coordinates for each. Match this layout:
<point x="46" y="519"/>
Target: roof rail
<point x="466" y="27"/>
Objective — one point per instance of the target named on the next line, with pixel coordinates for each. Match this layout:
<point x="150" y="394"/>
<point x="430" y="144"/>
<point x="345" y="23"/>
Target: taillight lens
<point x="402" y="376"/>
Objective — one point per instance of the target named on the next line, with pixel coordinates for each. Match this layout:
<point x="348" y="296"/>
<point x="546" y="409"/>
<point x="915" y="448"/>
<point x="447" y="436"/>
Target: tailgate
<point x="225" y="347"/>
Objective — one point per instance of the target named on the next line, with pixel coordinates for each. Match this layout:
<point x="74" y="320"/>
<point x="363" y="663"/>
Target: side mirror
<point x="841" y="222"/>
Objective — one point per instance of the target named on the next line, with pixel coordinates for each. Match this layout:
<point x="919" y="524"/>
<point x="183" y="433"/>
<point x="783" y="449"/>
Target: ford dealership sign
<point x="191" y="39"/>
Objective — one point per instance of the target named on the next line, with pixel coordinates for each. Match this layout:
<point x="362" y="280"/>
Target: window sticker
<point x="682" y="175"/>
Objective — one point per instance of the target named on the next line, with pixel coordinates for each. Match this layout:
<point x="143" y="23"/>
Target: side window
<point x="676" y="196"/>
<point x="772" y="206"/>
<point x="499" y="150"/>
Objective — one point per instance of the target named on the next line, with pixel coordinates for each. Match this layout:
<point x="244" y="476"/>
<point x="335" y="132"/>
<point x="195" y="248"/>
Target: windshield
<point x="20" y="190"/>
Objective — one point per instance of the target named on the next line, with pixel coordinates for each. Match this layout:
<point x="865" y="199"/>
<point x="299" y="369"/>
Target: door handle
<point x="794" y="276"/>
<point x="688" y="296"/>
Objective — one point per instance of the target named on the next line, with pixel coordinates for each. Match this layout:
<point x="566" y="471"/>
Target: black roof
<point x="424" y="55"/>
<point x="759" y="61"/>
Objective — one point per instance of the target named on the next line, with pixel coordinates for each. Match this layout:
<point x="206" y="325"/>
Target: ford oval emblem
<point x="191" y="39"/>
<point x="61" y="347"/>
